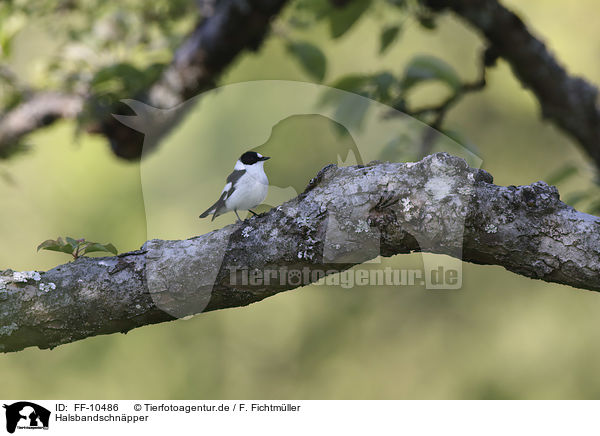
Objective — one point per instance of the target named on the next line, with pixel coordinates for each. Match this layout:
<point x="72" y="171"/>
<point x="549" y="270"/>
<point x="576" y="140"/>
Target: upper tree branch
<point x="235" y="26"/>
<point x="568" y="101"/>
<point x="345" y="216"/>
<point x="39" y="110"/>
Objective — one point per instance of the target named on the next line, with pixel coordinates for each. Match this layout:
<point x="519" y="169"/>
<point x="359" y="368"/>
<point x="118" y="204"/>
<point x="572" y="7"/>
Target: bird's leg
<point x="236" y="214"/>
<point x="253" y="213"/>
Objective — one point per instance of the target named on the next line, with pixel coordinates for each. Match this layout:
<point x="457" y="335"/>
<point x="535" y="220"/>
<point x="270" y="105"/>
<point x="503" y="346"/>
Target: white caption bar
<point x="248" y="417"/>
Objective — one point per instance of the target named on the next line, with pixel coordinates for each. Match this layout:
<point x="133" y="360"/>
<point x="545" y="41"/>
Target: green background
<point x="501" y="336"/>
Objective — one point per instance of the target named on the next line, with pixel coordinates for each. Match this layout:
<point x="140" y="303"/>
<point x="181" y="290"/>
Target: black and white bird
<point x="246" y="187"/>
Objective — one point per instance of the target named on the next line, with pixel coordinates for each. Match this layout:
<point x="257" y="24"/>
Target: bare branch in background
<point x="403" y="207"/>
<point x="568" y="101"/>
<point x="38" y="111"/>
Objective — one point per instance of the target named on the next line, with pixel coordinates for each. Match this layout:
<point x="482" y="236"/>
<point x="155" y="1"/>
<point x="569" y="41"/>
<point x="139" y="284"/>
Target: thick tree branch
<point x="38" y="111"/>
<point x="568" y="101"/>
<point x="344" y="217"/>
<point x="235" y="26"/>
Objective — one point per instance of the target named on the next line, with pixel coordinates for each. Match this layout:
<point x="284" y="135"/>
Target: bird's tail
<point x="214" y="210"/>
<point x="207" y="212"/>
<point x="210" y="211"/>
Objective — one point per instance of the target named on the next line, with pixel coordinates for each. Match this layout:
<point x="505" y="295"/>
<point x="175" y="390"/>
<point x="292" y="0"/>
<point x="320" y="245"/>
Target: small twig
<point x="441" y="110"/>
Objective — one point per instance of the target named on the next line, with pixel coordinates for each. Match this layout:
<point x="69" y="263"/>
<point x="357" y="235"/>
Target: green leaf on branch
<point x="388" y="36"/>
<point x="342" y="19"/>
<point x="56" y="245"/>
<point x="311" y="58"/>
<point x="425" y="68"/>
<point x="117" y="79"/>
<point x="383" y="83"/>
<point x="75" y="247"/>
<point x="351" y="83"/>
<point x="95" y="247"/>
<point x="379" y="86"/>
<point x="427" y="21"/>
<point x="72" y="241"/>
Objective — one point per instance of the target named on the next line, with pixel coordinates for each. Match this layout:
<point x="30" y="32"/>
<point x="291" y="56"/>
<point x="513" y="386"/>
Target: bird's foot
<point x="387" y="200"/>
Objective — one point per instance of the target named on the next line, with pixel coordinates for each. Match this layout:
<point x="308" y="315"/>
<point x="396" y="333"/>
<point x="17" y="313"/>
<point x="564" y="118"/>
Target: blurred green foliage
<point x="423" y="68"/>
<point x="105" y="50"/>
<point x="310" y="57"/>
<point x="501" y="336"/>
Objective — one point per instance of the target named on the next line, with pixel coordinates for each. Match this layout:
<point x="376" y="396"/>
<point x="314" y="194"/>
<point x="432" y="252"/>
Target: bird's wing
<point x="225" y="194"/>
<point x="232" y="180"/>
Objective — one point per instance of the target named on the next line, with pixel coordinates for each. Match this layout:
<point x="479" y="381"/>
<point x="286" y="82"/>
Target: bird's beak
<point x="264" y="158"/>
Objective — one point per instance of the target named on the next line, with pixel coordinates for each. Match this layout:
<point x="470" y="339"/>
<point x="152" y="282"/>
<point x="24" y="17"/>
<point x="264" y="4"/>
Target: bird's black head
<point x="251" y="157"/>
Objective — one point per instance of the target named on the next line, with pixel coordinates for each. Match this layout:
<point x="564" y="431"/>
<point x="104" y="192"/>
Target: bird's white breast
<point x="250" y="190"/>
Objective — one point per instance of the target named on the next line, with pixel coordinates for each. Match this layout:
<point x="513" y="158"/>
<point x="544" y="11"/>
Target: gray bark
<point x="39" y="110"/>
<point x="344" y="217"/>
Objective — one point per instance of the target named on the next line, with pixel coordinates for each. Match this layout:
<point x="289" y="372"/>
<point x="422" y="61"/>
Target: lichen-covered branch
<point x="345" y="216"/>
<point x="568" y="101"/>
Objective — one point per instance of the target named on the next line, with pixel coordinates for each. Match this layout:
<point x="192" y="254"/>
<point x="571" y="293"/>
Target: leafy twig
<point x="76" y="247"/>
